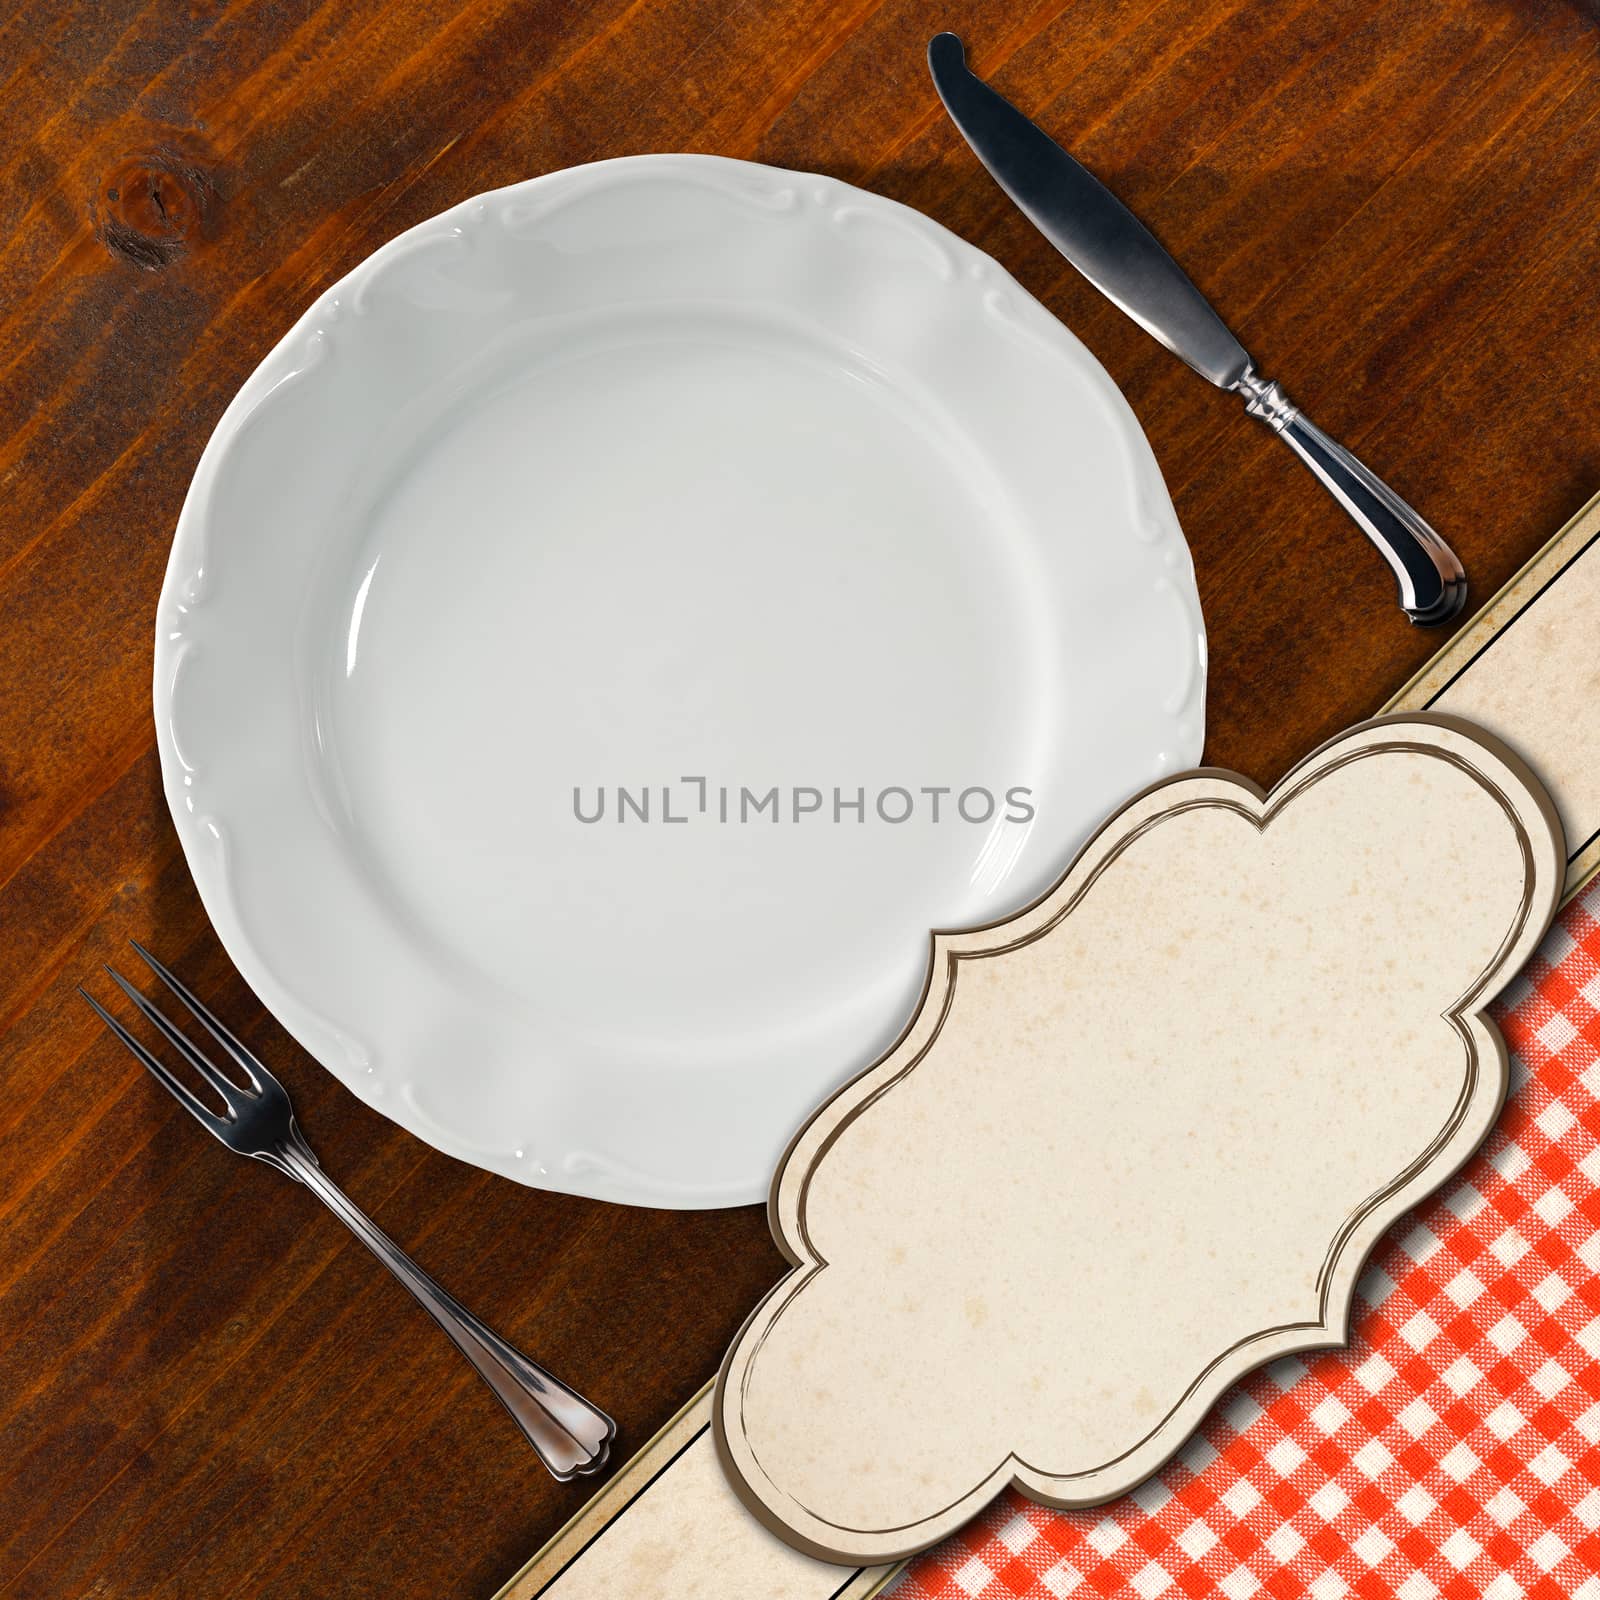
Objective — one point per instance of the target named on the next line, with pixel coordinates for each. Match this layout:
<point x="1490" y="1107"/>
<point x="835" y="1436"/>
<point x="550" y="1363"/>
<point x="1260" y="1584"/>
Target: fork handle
<point x="571" y="1436"/>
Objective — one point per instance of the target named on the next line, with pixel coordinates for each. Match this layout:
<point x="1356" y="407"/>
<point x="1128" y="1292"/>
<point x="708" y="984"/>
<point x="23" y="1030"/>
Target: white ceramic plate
<point x="662" y="469"/>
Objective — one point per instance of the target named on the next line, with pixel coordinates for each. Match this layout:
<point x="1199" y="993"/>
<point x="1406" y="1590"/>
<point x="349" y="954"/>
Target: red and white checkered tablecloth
<point x="1452" y="1450"/>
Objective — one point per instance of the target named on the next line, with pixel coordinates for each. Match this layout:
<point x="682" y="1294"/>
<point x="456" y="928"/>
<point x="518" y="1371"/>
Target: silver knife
<point x="1127" y="264"/>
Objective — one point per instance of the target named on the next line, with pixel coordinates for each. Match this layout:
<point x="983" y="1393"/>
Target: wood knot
<point x="151" y="207"/>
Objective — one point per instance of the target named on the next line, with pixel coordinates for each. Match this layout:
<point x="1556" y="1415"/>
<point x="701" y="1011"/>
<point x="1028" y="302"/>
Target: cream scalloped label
<point x="1139" y="1138"/>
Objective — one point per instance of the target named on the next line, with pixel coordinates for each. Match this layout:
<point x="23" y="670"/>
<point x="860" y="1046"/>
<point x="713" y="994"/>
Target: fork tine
<point x="208" y="1019"/>
<point x="179" y="1041"/>
<point x="179" y="1090"/>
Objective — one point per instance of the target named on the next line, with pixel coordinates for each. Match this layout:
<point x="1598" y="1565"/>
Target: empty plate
<point x="619" y="621"/>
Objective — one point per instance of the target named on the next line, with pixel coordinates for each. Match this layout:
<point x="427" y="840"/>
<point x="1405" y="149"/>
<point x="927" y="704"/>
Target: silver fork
<point x="571" y="1436"/>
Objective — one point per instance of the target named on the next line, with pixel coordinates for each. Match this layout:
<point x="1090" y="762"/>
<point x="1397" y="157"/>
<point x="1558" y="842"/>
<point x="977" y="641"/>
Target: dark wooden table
<point x="207" y="1390"/>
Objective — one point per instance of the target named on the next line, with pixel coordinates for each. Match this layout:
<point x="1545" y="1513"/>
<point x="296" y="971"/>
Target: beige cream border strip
<point x="1535" y="685"/>
<point x="577" y="1564"/>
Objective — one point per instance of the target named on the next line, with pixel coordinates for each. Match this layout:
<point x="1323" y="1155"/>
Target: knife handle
<point x="1433" y="586"/>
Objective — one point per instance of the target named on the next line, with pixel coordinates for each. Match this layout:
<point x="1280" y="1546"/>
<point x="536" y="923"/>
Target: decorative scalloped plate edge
<point x="355" y="1054"/>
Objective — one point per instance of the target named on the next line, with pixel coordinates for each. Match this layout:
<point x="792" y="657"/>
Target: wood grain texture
<point x="204" y="1388"/>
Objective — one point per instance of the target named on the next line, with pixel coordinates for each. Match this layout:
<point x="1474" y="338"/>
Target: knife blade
<point x="1120" y="256"/>
<point x="1099" y="235"/>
